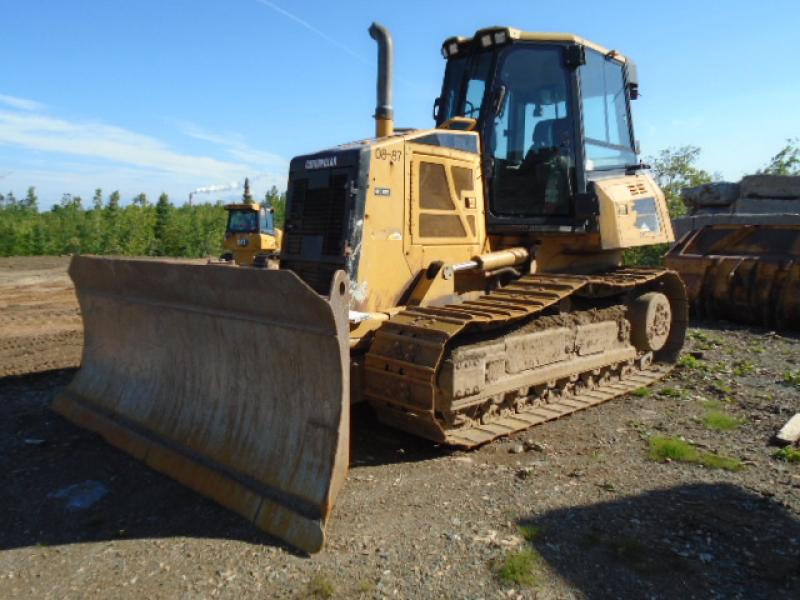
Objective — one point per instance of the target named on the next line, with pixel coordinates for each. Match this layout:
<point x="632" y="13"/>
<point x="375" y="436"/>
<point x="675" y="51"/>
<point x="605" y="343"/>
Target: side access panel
<point x="233" y="381"/>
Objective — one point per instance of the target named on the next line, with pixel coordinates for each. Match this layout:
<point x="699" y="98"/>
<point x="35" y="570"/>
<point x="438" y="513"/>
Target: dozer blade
<point x="234" y="381"/>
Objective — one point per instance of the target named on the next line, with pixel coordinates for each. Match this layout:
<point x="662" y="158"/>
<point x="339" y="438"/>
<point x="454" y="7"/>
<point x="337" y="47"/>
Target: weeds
<point x="670" y="392"/>
<point x="687" y="361"/>
<point x="792" y="378"/>
<point x="641" y="392"/>
<point x="743" y="367"/>
<point x="719" y="420"/>
<point x="529" y="532"/>
<point x="365" y="587"/>
<point x="519" y="568"/>
<point x="674" y="449"/>
<point x="788" y="454"/>
<point x="705" y="340"/>
<point x="320" y="587"/>
<point x="722" y="388"/>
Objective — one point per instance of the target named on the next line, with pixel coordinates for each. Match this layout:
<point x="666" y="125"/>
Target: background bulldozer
<point x="739" y="250"/>
<point x="464" y="280"/>
<point x="250" y="233"/>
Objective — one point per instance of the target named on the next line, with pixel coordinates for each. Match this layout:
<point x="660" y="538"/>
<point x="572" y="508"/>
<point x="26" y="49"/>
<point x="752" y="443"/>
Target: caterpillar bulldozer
<point x="739" y="250"/>
<point x="251" y="237"/>
<point x="465" y="280"/>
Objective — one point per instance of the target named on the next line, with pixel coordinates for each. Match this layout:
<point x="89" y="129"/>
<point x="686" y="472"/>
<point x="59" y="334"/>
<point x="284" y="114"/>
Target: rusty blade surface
<point x="233" y="381"/>
<point x="745" y="273"/>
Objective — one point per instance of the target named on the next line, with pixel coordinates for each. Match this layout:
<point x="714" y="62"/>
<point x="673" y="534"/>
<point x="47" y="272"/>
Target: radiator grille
<point x="316" y="230"/>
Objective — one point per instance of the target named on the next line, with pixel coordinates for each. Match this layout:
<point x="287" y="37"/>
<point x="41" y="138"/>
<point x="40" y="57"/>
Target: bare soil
<point x="416" y="520"/>
<point x="40" y="324"/>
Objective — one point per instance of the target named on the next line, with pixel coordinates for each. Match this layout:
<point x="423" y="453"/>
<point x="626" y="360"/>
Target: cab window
<point x="266" y="220"/>
<point x="606" y="120"/>
<point x="243" y="221"/>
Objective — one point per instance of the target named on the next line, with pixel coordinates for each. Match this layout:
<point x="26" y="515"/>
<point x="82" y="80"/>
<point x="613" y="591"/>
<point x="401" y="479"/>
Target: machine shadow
<point x="688" y="541"/>
<point x="42" y="454"/>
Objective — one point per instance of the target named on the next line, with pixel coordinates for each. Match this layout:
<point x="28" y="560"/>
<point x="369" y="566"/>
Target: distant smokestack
<point x="384" y="114"/>
<point x="233" y="185"/>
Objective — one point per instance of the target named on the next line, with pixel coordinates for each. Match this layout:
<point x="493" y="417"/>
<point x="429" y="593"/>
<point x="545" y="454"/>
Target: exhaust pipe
<point x="384" y="115"/>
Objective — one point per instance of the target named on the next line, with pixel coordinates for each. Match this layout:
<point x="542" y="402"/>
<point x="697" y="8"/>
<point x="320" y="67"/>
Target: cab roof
<point x="497" y="35"/>
<point x="245" y="206"/>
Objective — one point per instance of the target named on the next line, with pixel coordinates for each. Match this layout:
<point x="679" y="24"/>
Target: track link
<point x="406" y="356"/>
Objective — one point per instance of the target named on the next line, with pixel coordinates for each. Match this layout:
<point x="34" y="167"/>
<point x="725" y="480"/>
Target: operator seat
<point x="545" y="168"/>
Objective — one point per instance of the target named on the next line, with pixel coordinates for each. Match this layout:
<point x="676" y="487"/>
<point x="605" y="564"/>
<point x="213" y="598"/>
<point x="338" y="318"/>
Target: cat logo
<point x="320" y="163"/>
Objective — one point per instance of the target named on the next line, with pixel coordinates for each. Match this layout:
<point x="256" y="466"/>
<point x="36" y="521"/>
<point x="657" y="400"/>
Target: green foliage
<point x="138" y="229"/>
<point x="277" y="201"/>
<point x="788" y="454"/>
<point x="674" y="449"/>
<point x="670" y="392"/>
<point x="529" y="532"/>
<point x="675" y="169"/>
<point x="519" y="568"/>
<point x="687" y="361"/>
<point x="743" y="367"/>
<point x="792" y="378"/>
<point x="719" y="420"/>
<point x="320" y="587"/>
<point x="786" y="161"/>
<point x="650" y="256"/>
<point x="641" y="392"/>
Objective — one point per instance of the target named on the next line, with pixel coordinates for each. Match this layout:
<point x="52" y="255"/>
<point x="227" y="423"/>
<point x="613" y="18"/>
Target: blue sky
<point x="174" y="95"/>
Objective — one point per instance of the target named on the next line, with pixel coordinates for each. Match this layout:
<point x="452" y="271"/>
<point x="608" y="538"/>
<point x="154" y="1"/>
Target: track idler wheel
<point x="650" y="316"/>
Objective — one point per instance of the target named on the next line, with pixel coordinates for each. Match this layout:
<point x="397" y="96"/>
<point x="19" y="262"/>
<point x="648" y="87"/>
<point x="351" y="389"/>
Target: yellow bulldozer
<point x="465" y="280"/>
<point x="251" y="238"/>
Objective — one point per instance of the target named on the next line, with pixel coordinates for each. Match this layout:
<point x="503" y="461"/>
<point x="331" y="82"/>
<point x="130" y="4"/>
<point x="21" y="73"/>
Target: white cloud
<point x="20" y="103"/>
<point x="68" y="154"/>
<point x="234" y="145"/>
<point x="107" y="142"/>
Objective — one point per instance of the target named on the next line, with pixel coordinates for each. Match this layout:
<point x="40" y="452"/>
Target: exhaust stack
<point x="384" y="114"/>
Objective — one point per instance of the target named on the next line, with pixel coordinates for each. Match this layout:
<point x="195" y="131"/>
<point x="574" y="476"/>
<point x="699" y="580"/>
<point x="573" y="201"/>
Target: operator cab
<point x="553" y="111"/>
<point x="250" y="218"/>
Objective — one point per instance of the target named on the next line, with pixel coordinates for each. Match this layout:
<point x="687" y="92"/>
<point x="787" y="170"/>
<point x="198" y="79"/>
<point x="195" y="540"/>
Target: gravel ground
<point x="571" y="509"/>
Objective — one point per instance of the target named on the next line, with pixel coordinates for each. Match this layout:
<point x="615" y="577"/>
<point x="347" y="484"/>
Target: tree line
<point x="163" y="229"/>
<point x="105" y="226"/>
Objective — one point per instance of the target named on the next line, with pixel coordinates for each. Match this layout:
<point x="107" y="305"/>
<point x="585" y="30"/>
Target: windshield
<point x="606" y="121"/>
<point x="532" y="137"/>
<point x="243" y="221"/>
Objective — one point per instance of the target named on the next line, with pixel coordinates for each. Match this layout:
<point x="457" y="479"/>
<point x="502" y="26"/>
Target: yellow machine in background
<point x="465" y="280"/>
<point x="251" y="237"/>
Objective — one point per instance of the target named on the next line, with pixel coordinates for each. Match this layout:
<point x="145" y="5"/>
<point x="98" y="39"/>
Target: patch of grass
<point x="674" y="449"/>
<point x="670" y="392"/>
<point x="712" y="404"/>
<point x="365" y="587"/>
<point x="788" y="454"/>
<point x="743" y="367"/>
<point x="687" y="361"/>
<point x="320" y="587"/>
<point x="519" y="568"/>
<point x="722" y="387"/>
<point x="792" y="378"/>
<point x="641" y="392"/>
<point x="719" y="420"/>
<point x="706" y="340"/>
<point x="529" y="532"/>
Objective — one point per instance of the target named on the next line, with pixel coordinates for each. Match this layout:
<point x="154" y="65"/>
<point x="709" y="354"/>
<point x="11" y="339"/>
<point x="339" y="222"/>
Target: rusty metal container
<point x="738" y="250"/>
